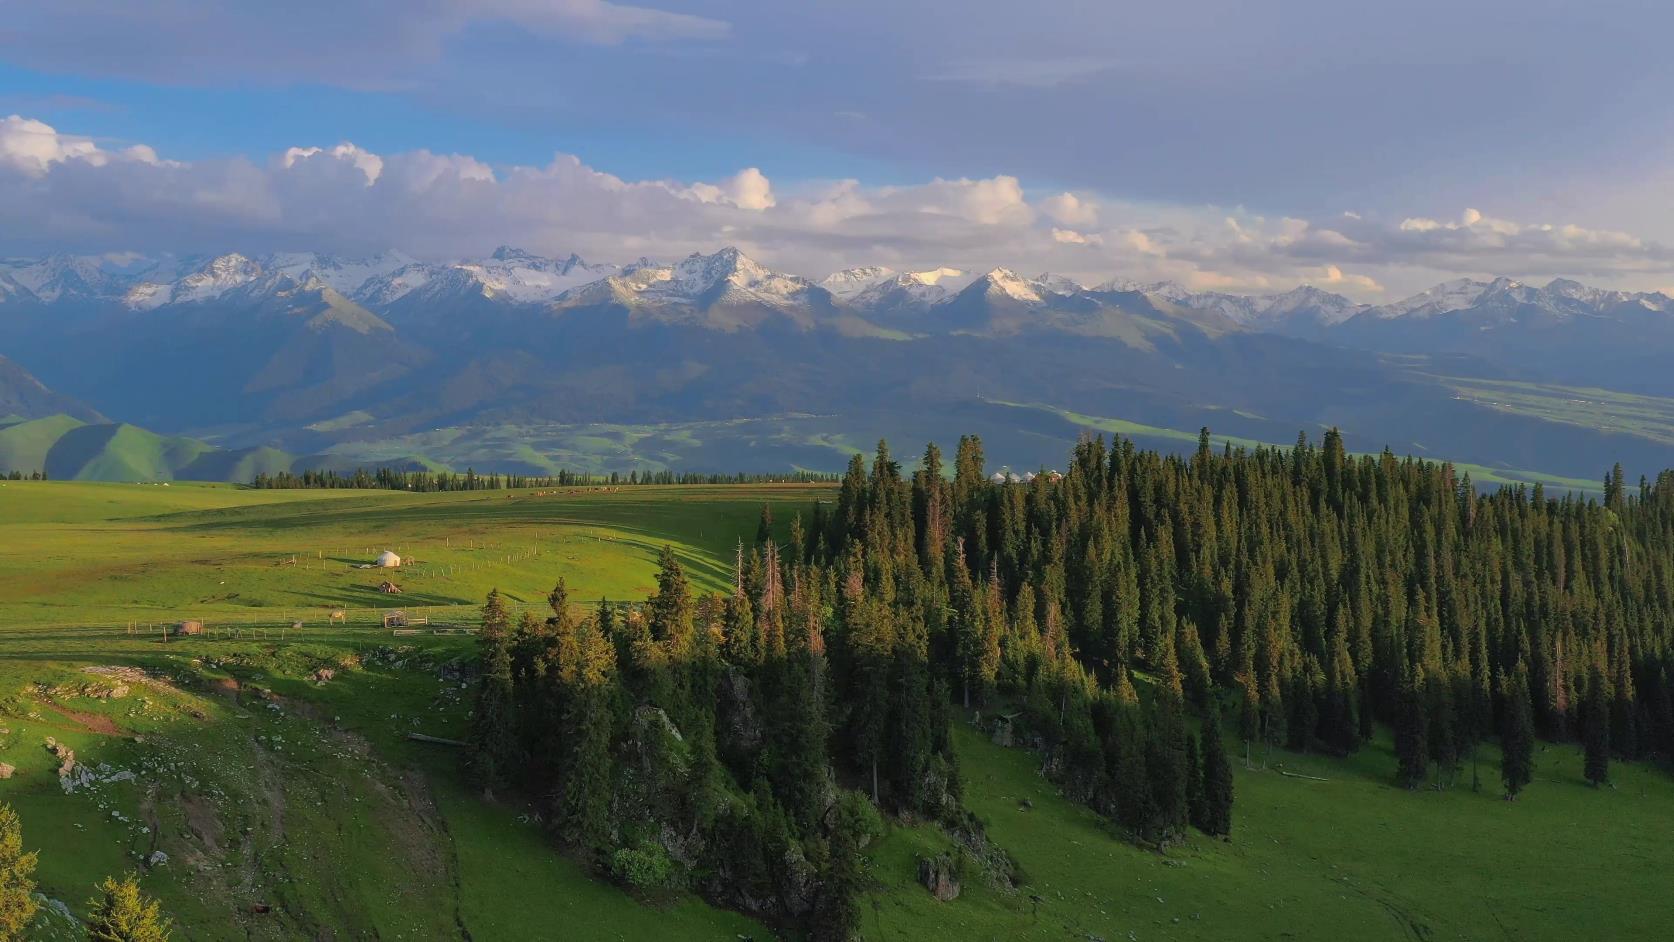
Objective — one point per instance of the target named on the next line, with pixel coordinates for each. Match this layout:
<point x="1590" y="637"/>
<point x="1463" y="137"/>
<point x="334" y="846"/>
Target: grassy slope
<point x="353" y="826"/>
<point x="1351" y="857"/>
<point x="1649" y="417"/>
<point x="24" y="445"/>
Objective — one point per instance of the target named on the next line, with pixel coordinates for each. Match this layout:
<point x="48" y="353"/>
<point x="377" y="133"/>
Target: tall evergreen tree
<point x="1217" y="778"/>
<point x="587" y="667"/>
<point x="1516" y="733"/>
<point x="17" y="879"/>
<point x="1595" y="729"/>
<point x="494" y="753"/>
<point x="121" y="913"/>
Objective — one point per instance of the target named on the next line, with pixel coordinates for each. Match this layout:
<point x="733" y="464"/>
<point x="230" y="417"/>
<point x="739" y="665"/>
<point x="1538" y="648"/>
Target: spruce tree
<point x="121" y="913"/>
<point x="587" y="671"/>
<point x="1217" y="777"/>
<point x="494" y="743"/>
<point x="1412" y="751"/>
<point x="17" y="878"/>
<point x="1595" y="729"/>
<point x="1516" y="733"/>
<point x="1194" y="784"/>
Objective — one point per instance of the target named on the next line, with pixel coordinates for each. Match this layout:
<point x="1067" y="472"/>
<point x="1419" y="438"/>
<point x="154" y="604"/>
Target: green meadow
<point x="272" y="770"/>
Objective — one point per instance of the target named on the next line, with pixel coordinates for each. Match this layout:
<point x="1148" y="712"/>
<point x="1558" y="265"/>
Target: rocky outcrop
<point x="939" y="875"/>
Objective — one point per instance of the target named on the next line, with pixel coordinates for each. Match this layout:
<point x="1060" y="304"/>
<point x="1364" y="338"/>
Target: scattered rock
<point x="323" y="674"/>
<point x="157" y="859"/>
<point x="938" y="876"/>
<point x="7" y="770"/>
<point x="1002" y="735"/>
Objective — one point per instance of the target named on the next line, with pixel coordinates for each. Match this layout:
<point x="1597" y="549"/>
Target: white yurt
<point x="388" y="560"/>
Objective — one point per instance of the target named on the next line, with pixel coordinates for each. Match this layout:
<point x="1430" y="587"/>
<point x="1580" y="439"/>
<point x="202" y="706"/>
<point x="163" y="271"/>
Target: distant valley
<point x="523" y="363"/>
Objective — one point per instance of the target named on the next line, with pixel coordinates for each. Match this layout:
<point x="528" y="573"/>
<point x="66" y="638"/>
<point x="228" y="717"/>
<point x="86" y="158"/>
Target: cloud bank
<point x="65" y="192"/>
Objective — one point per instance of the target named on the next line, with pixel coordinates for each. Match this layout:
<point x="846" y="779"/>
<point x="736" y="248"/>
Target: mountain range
<point x="324" y="355"/>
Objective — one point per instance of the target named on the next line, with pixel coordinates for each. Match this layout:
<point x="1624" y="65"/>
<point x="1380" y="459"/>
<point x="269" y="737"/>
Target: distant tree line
<point x="470" y="480"/>
<point x="23" y="475"/>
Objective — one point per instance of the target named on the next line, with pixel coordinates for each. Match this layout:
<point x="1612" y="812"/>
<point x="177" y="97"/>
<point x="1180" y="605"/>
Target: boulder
<point x="939" y="877"/>
<point x="7" y="770"/>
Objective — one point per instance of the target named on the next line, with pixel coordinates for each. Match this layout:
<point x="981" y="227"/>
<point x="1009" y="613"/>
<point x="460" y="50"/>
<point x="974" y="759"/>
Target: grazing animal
<point x="339" y="615"/>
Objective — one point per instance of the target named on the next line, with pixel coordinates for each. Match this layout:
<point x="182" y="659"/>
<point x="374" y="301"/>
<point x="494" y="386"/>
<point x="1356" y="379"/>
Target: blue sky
<point x="1201" y="132"/>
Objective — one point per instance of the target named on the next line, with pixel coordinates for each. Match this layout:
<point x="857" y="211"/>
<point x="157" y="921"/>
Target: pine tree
<point x="1195" y="807"/>
<point x="494" y="745"/>
<point x="587" y="665"/>
<point x="1217" y="778"/>
<point x="1516" y="733"/>
<point x="1595" y="729"/>
<point x="17" y="878"/>
<point x="1412" y="751"/>
<point x="121" y="913"/>
<point x="1166" y="761"/>
<point x="496" y="620"/>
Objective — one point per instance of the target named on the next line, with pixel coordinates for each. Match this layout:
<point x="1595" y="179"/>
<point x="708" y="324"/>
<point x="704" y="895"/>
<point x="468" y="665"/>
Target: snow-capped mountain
<point x="727" y="290"/>
<point x="1048" y="283"/>
<point x="346" y="276"/>
<point x="1560" y="298"/>
<point x="909" y="291"/>
<point x="214" y="279"/>
<point x="1003" y="283"/>
<point x="60" y="277"/>
<point x="849" y="282"/>
<point x="1303" y="305"/>
<point x="509" y="275"/>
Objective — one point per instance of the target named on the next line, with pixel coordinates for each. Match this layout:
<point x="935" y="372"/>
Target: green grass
<point x="1587" y="407"/>
<point x="320" y="808"/>
<point x="1349" y="857"/>
<point x="113" y="554"/>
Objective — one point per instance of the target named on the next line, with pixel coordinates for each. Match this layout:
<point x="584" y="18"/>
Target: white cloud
<point x="1071" y="237"/>
<point x="368" y="163"/>
<point x="1071" y="210"/>
<point x="33" y="146"/>
<point x="65" y="192"/>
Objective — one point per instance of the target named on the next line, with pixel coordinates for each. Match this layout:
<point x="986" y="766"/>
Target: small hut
<point x="388" y="560"/>
<point x="395" y="619"/>
<point x="188" y="627"/>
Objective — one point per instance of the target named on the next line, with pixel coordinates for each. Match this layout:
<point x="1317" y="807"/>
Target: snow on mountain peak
<point x="1454" y="295"/>
<point x="220" y="275"/>
<point x="934" y="276"/>
<point x="1057" y="284"/>
<point x="852" y="281"/>
<point x="1006" y="283"/>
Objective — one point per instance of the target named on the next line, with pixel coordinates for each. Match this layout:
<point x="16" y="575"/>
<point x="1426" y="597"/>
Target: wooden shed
<point x="188" y="627"/>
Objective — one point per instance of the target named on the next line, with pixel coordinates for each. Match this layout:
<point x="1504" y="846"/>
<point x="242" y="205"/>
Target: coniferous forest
<point x="1126" y="619"/>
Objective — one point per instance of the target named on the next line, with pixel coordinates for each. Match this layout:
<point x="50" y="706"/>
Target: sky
<point x="1373" y="149"/>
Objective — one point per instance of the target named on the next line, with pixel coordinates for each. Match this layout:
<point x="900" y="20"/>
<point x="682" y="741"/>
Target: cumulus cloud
<point x="1071" y="237"/>
<point x="33" y="146"/>
<point x="1071" y="210"/>
<point x="65" y="192"/>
